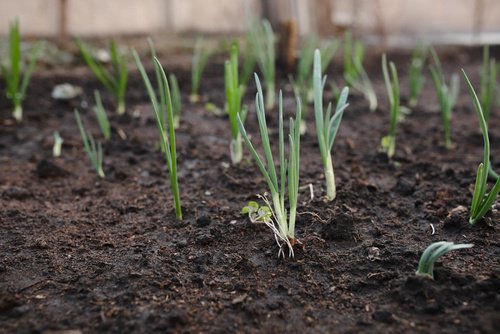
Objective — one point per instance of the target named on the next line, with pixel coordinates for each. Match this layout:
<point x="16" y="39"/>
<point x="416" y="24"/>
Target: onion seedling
<point x="355" y="74"/>
<point x="93" y="149"/>
<point x="285" y="219"/>
<point x="416" y="78"/>
<point x="447" y="95"/>
<point x="116" y="80"/>
<point x="163" y="106"/>
<point x="482" y="201"/>
<point x="234" y="92"/>
<point x="17" y="78"/>
<point x="388" y="143"/>
<point x="488" y="82"/>
<point x="327" y="125"/>
<point x="432" y="253"/>
<point x="262" y="42"/>
<point x="303" y="83"/>
<point x="58" y="141"/>
<point x="102" y="118"/>
<point x="200" y="59"/>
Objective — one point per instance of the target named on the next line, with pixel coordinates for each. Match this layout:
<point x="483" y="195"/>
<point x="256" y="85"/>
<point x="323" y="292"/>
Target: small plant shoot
<point x="355" y="74"/>
<point x="446" y="94"/>
<point x="283" y="222"/>
<point x="257" y="213"/>
<point x="93" y="149"/>
<point x="163" y="106"/>
<point x="327" y="125"/>
<point x="488" y="82"/>
<point x="434" y="252"/>
<point x="234" y="94"/>
<point x="16" y="75"/>
<point x="388" y="143"/>
<point x="176" y="99"/>
<point x="416" y="78"/>
<point x="482" y="201"/>
<point x="102" y="118"/>
<point x="114" y="81"/>
<point x="200" y="58"/>
<point x="57" y="148"/>
<point x="262" y="41"/>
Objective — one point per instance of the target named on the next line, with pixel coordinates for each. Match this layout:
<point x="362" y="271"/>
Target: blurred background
<point x="391" y="22"/>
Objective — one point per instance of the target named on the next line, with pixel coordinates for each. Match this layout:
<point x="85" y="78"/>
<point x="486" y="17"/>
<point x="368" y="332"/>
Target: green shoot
<point x="200" y="59"/>
<point x="57" y="148"/>
<point x="432" y="253"/>
<point x="257" y="213"/>
<point x="17" y="78"/>
<point x="416" y="79"/>
<point x="161" y="107"/>
<point x="327" y="125"/>
<point x="488" y="82"/>
<point x="447" y="95"/>
<point x="234" y="92"/>
<point x="102" y="118"/>
<point x="176" y="99"/>
<point x="285" y="220"/>
<point x="262" y="41"/>
<point x="355" y="74"/>
<point x="482" y="201"/>
<point x="94" y="152"/>
<point x="303" y="83"/>
<point x="116" y="80"/>
<point x="388" y="143"/>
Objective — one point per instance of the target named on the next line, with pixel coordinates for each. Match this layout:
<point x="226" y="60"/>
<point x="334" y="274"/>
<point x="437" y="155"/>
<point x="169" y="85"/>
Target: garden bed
<point x="78" y="252"/>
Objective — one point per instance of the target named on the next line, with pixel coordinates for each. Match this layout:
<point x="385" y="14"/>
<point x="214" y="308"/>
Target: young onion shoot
<point x="488" y="82"/>
<point x="327" y="125"/>
<point x="416" y="78"/>
<point x="481" y="200"/>
<point x="388" y="143"/>
<point x="114" y="81"/>
<point x="102" y="118"/>
<point x="283" y="223"/>
<point x="446" y="94"/>
<point x="93" y="149"/>
<point x="200" y="58"/>
<point x="432" y="253"/>
<point x="162" y="106"/>
<point x="16" y="78"/>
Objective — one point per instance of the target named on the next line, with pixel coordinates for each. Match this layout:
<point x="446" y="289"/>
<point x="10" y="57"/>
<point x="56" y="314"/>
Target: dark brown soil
<point x="108" y="255"/>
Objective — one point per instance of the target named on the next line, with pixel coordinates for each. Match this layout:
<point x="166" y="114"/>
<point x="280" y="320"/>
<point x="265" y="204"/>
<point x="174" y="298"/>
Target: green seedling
<point x="416" y="78"/>
<point x="200" y="58"/>
<point x="57" y="148"/>
<point x="355" y="74"/>
<point x="93" y="149"/>
<point x="234" y="92"/>
<point x="488" y="82"/>
<point x="388" y="143"/>
<point x="176" y="99"/>
<point x="114" y="81"/>
<point x="257" y="213"/>
<point x="303" y="83"/>
<point x="447" y="95"/>
<point x="288" y="171"/>
<point x="101" y="116"/>
<point x="481" y="200"/>
<point x="327" y="125"/>
<point x="432" y="253"/>
<point x="262" y="42"/>
<point x="163" y="106"/>
<point x="16" y="75"/>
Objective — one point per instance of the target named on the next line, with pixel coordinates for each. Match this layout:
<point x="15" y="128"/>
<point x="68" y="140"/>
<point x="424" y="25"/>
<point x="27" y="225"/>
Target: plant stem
<point x="331" y="190"/>
<point x="18" y="112"/>
<point x="270" y="95"/>
<point x="236" y="150"/>
<point x="120" y="108"/>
